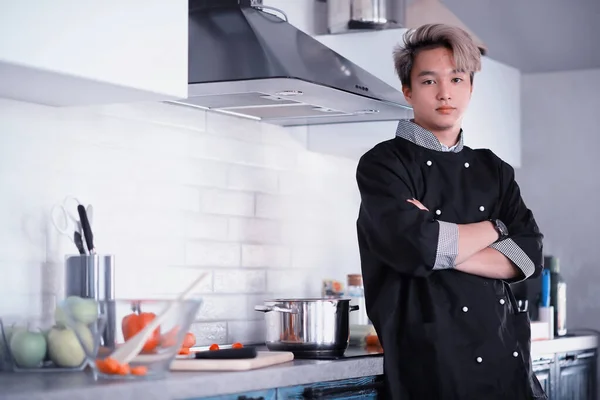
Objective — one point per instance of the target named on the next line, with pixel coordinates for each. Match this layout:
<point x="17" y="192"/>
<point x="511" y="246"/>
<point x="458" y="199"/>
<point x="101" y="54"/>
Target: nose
<point x="443" y="91"/>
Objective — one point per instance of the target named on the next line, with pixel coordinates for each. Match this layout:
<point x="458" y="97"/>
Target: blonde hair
<point x="467" y="55"/>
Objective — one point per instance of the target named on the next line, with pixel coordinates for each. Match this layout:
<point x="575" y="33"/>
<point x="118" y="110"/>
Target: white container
<point x="546" y="314"/>
<point x="357" y="298"/>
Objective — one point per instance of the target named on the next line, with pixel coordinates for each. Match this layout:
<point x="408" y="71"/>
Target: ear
<point x="407" y="94"/>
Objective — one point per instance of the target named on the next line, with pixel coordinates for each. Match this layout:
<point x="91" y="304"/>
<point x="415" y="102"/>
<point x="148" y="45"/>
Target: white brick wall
<point x="176" y="191"/>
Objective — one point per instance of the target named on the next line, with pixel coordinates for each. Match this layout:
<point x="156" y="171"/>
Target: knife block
<point x="93" y="276"/>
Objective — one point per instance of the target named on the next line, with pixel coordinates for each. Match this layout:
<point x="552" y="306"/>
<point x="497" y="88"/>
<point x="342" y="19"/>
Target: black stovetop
<point x="351" y="352"/>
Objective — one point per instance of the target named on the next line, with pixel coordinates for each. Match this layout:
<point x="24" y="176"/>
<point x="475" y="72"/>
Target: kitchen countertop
<point x="564" y="344"/>
<point x="187" y="385"/>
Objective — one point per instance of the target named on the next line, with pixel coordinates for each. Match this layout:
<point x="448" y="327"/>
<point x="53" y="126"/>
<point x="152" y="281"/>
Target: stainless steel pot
<point x="310" y="328"/>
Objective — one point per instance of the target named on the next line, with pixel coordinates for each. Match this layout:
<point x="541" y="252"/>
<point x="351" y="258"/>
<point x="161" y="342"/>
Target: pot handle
<point x="275" y="308"/>
<point x="354" y="308"/>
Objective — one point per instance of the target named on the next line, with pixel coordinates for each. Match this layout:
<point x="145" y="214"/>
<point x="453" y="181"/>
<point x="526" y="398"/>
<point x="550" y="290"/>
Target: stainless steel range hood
<point x="248" y="62"/>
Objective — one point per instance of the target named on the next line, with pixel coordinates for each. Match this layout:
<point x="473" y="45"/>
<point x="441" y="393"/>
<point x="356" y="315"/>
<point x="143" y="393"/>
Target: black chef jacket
<point x="445" y="334"/>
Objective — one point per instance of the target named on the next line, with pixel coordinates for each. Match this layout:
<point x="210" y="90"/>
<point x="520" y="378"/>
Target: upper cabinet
<point x="492" y="121"/>
<point x="65" y="52"/>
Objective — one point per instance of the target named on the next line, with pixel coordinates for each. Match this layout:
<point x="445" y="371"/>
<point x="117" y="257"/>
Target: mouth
<point x="445" y="110"/>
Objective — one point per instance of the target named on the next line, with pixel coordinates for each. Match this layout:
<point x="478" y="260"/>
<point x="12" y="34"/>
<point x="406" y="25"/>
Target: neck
<point x="447" y="136"/>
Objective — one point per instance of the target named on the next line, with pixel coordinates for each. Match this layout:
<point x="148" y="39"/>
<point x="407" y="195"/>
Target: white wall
<point x="560" y="182"/>
<point x="175" y="191"/>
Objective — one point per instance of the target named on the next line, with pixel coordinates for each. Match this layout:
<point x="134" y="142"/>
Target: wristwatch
<point x="500" y="228"/>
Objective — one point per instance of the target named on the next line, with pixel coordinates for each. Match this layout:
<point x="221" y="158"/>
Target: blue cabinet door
<point x="261" y="395"/>
<point x="358" y="388"/>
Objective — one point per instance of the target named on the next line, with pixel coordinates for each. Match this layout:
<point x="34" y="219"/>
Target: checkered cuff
<point x="447" y="248"/>
<point x="514" y="253"/>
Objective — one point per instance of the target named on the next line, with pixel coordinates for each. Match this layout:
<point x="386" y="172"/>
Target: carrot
<point x="102" y="367"/>
<point x="237" y="346"/>
<point x="214" y="347"/>
<point x="190" y="340"/>
<point x="139" y="370"/>
<point x="124" y="369"/>
<point x="184" y="351"/>
<point x="108" y="365"/>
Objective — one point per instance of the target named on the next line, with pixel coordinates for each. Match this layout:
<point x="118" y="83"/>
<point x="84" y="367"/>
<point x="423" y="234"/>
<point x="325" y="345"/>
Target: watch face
<point x="501" y="227"/>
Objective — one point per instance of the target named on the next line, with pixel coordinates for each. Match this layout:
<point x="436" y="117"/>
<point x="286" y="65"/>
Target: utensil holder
<point x="93" y="276"/>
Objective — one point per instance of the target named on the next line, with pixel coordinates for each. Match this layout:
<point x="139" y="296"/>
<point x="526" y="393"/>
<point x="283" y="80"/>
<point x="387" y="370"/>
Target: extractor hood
<point x="246" y="61"/>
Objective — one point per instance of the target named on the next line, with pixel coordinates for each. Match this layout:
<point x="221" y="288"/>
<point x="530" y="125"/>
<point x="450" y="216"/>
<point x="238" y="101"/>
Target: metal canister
<point x="93" y="276"/>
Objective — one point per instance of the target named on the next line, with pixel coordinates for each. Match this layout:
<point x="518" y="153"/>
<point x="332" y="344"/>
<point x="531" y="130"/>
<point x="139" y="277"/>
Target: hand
<point x="418" y="204"/>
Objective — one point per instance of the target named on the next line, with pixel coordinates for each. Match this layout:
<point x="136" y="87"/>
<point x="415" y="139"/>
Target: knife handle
<point x="226" y="354"/>
<point x="87" y="229"/>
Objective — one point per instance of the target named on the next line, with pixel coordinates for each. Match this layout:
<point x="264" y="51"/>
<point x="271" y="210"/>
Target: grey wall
<point x="560" y="179"/>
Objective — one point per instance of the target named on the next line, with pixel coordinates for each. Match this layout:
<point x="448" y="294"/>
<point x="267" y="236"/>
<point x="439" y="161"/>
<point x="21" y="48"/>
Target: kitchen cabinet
<point x="563" y="376"/>
<point x="261" y="395"/>
<point x="356" y="388"/>
<point x="67" y="53"/>
<point x="492" y="121"/>
<point x="568" y="375"/>
<point x="577" y="376"/>
<point x="543" y="368"/>
<point x="359" y="388"/>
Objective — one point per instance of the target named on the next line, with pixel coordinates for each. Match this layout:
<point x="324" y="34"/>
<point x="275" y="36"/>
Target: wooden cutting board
<point x="263" y="359"/>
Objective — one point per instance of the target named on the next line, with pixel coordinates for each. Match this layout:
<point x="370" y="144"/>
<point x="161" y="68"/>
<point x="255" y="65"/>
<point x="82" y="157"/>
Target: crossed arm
<point x="475" y="257"/>
<point x="412" y="242"/>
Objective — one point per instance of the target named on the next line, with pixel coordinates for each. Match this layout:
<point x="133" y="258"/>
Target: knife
<point x="79" y="242"/>
<point x="227" y="354"/>
<point x="87" y="229"/>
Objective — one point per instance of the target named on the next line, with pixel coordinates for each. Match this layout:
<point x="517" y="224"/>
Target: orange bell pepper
<point x="133" y="323"/>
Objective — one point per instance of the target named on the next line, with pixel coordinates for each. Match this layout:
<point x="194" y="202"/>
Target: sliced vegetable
<point x="237" y="346"/>
<point x="139" y="370"/>
<point x="184" y="351"/>
<point x="108" y="365"/>
<point x="214" y="347"/>
<point x="124" y="369"/>
<point x="189" y="341"/>
<point x="112" y="367"/>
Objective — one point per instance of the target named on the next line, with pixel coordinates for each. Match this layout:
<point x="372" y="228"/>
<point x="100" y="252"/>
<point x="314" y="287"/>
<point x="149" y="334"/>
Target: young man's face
<point x="439" y="94"/>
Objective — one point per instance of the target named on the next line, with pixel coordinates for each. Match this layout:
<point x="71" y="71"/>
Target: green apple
<point x="80" y="309"/>
<point x="28" y="348"/>
<point x="64" y="347"/>
<point x="85" y="311"/>
<point x="5" y="342"/>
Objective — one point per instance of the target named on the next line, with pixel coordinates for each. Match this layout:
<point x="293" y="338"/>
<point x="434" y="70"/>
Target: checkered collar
<point x="420" y="136"/>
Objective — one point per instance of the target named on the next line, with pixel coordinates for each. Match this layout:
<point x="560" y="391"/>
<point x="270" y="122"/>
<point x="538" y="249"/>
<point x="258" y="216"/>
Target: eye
<point x="457" y="80"/>
<point x="428" y="82"/>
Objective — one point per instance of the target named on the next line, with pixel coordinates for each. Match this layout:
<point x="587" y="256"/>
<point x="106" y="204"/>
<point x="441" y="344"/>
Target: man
<point x="442" y="231"/>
